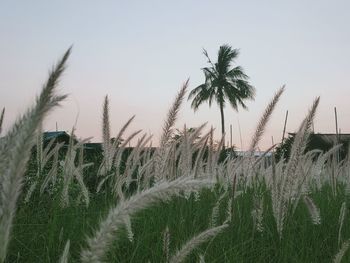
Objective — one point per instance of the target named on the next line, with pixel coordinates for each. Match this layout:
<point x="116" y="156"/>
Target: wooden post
<point x="231" y="136"/>
<point x="336" y="132"/>
<point x="240" y="134"/>
<point x="284" y="128"/>
<point x="336" y="123"/>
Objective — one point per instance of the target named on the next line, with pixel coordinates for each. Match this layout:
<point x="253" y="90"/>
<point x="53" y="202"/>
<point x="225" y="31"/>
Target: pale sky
<point x="140" y="52"/>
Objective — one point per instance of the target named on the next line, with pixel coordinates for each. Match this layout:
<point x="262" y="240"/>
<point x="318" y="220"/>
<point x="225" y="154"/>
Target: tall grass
<point x="184" y="201"/>
<point x="15" y="151"/>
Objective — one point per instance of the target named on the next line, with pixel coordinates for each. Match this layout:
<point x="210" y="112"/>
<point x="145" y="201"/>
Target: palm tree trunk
<point x="222" y="124"/>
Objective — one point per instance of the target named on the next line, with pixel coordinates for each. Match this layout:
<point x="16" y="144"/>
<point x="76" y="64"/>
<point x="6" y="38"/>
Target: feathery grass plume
<point x="215" y="155"/>
<point x="258" y="160"/>
<point x="201" y="259"/>
<point x="170" y="169"/>
<point x="313" y="210"/>
<point x="98" y="244"/>
<point x="79" y="173"/>
<point x="110" y="156"/>
<point x="65" y="254"/>
<point x="232" y="194"/>
<point x="193" y="243"/>
<point x="172" y="116"/>
<point x="52" y="174"/>
<point x="140" y="158"/>
<point x="258" y="213"/>
<point x="300" y="140"/>
<point x="166" y="244"/>
<point x="30" y="191"/>
<point x="145" y="169"/>
<point x="122" y="130"/>
<point x="117" y="163"/>
<point x="72" y="171"/>
<point x="344" y="248"/>
<point x="39" y="150"/>
<point x="168" y="131"/>
<point x="43" y="157"/>
<point x="216" y="210"/>
<point x="44" y="154"/>
<point x="106" y="136"/>
<point x="185" y="162"/>
<point x="321" y="160"/>
<point x="229" y="210"/>
<point x="2" y="118"/>
<point x="199" y="159"/>
<point x="264" y="120"/>
<point x="190" y="143"/>
<point x="119" y="152"/>
<point x="60" y="236"/>
<point x="342" y="215"/>
<point x="209" y="167"/>
<point x="287" y="181"/>
<point x="128" y="228"/>
<point x="134" y="159"/>
<point x="15" y="151"/>
<point x="194" y="136"/>
<point x="299" y="187"/>
<point x="102" y="182"/>
<point x="68" y="167"/>
<point x="298" y="148"/>
<point x="109" y="148"/>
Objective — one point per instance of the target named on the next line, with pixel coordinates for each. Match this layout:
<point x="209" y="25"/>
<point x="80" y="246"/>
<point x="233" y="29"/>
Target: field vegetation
<point x="186" y="200"/>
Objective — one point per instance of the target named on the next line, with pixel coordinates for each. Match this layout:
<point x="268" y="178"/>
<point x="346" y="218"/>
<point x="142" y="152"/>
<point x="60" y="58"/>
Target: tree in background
<point x="223" y="83"/>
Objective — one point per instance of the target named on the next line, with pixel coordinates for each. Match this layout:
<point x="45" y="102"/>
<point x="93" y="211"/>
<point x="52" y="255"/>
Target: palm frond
<point x="237" y="73"/>
<point x="226" y="55"/>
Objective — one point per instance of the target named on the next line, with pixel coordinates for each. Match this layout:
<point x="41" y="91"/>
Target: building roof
<point x="93" y="145"/>
<point x="53" y="135"/>
<point x="255" y="154"/>
<point x="328" y="137"/>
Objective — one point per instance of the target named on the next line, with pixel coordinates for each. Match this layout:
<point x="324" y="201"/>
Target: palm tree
<point x="223" y="82"/>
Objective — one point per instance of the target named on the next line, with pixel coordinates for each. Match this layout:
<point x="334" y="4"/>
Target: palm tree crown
<point x="223" y="83"/>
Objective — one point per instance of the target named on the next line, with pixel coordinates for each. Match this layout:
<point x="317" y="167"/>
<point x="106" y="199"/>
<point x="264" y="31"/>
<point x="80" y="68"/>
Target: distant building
<point x="316" y="141"/>
<point x="255" y="153"/>
<point x="58" y="136"/>
<point x="93" y="146"/>
<point x="325" y="141"/>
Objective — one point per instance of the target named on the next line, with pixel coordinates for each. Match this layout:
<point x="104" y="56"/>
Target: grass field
<point x="42" y="227"/>
<point x="185" y="201"/>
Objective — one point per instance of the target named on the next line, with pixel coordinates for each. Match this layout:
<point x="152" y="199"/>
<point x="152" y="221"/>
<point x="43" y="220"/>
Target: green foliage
<point x="283" y="150"/>
<point x="315" y="142"/>
<point x="42" y="227"/>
